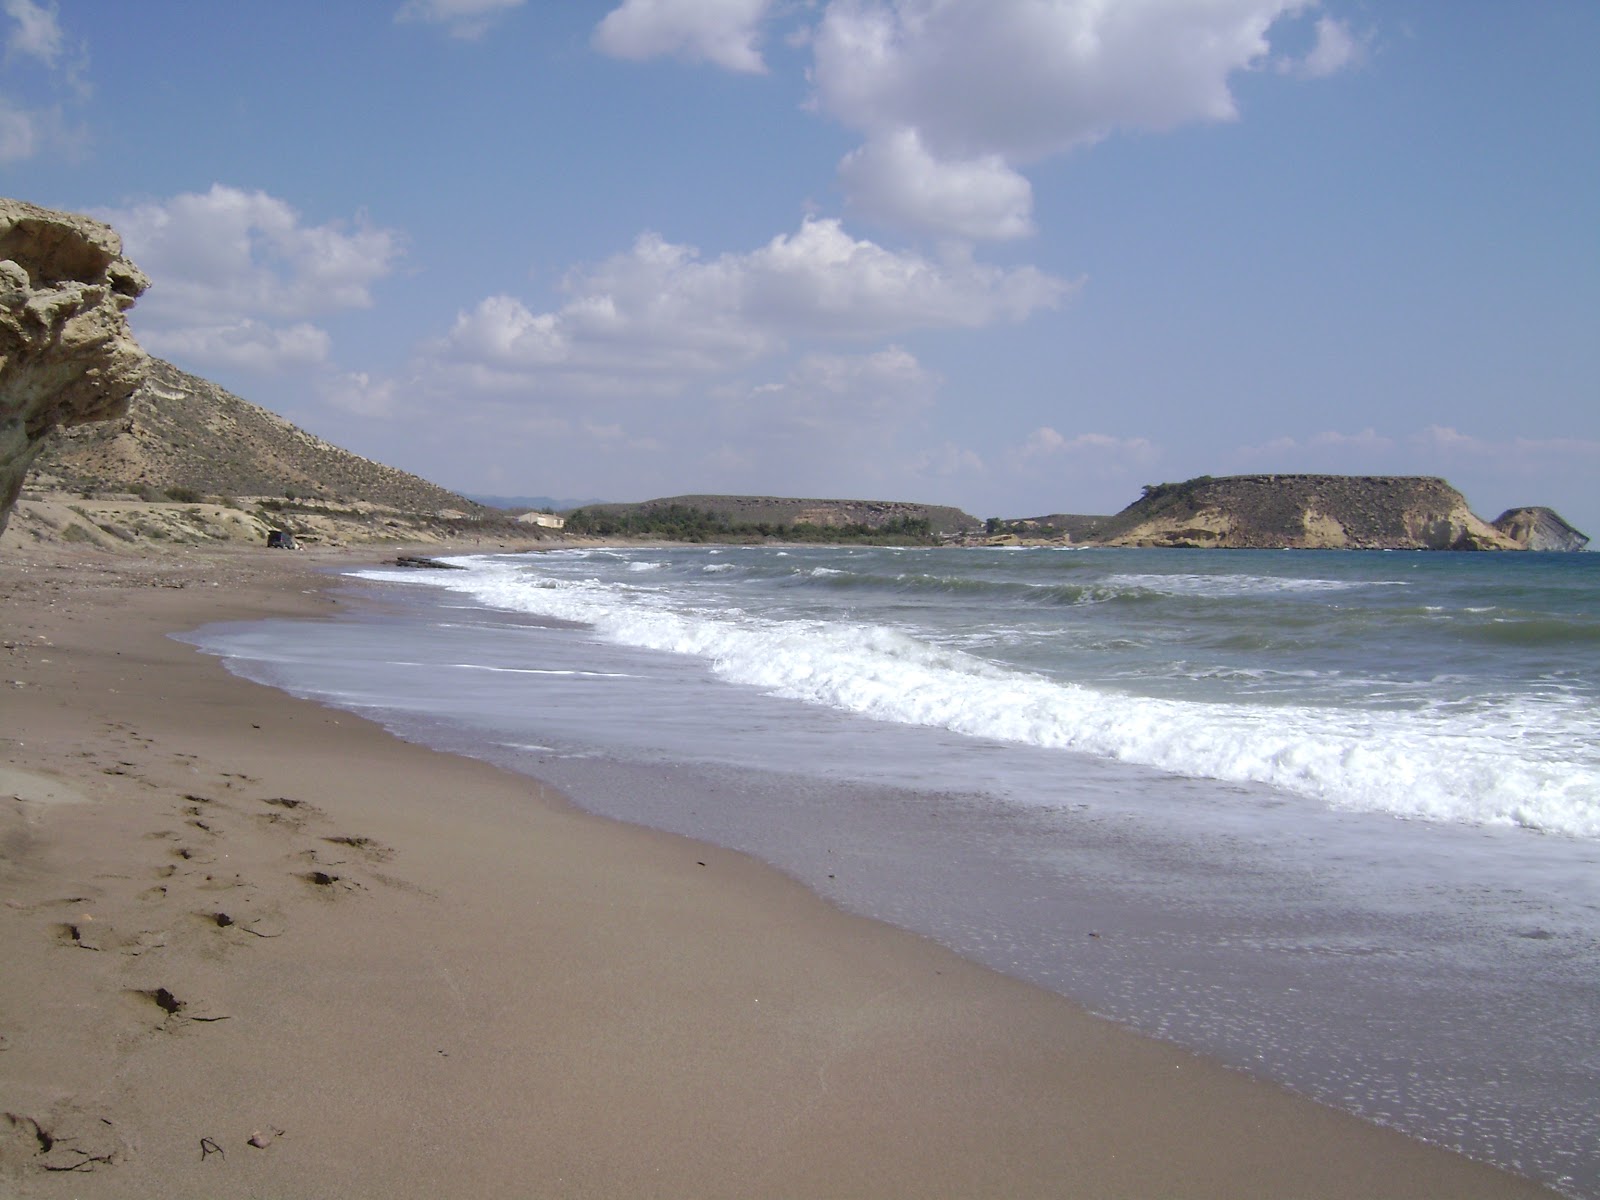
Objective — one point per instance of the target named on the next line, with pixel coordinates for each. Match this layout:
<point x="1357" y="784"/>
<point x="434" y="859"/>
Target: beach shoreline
<point x="257" y="946"/>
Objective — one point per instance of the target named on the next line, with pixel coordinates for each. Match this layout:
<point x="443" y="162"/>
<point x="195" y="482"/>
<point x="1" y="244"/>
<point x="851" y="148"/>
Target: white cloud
<point x="722" y="32"/>
<point x="234" y="273"/>
<point x="1449" y="442"/>
<point x="465" y="19"/>
<point x="245" y="344"/>
<point x="19" y="136"/>
<point x="1288" y="453"/>
<point x="363" y="394"/>
<point x="1045" y="442"/>
<point x="948" y="461"/>
<point x="979" y="86"/>
<point x="1336" y="49"/>
<point x="662" y="310"/>
<point x="895" y="178"/>
<point x="1025" y="78"/>
<point x="853" y="396"/>
<point x="29" y="123"/>
<point x="36" y="33"/>
<point x="953" y="95"/>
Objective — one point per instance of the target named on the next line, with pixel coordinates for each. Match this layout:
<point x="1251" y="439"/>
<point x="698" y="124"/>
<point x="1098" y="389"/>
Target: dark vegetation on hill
<point x="681" y="523"/>
<point x="761" y="518"/>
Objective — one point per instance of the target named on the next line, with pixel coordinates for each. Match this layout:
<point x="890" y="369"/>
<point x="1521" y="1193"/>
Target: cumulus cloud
<point x="236" y="272"/>
<point x="662" y="309"/>
<point x="465" y="19"/>
<point x="896" y="179"/>
<point x="723" y="32"/>
<point x="953" y="96"/>
<point x="1026" y="78"/>
<point x="992" y="84"/>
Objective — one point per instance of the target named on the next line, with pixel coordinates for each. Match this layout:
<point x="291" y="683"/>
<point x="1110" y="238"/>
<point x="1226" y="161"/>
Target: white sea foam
<point x="1228" y="585"/>
<point x="1528" y="761"/>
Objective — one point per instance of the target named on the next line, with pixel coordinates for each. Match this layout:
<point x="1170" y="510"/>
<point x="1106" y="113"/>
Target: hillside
<point x="757" y="516"/>
<point x="192" y="464"/>
<point x="185" y="433"/>
<point x="1390" y="512"/>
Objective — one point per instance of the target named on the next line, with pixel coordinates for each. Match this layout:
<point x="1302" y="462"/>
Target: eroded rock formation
<point x="66" y="355"/>
<point x="1355" y="512"/>
<point x="1540" y="529"/>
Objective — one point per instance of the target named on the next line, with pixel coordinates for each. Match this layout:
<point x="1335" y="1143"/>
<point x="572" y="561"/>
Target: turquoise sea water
<point x="1330" y="817"/>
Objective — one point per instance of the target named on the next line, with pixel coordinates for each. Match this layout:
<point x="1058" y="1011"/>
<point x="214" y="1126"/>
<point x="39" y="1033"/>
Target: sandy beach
<point x="253" y="947"/>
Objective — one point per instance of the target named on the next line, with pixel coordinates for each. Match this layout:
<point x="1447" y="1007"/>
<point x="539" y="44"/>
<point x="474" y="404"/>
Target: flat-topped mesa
<point x="1537" y="528"/>
<point x="1357" y="512"/>
<point x="66" y="354"/>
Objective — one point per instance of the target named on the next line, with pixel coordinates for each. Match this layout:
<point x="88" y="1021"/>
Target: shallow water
<point x="1327" y="817"/>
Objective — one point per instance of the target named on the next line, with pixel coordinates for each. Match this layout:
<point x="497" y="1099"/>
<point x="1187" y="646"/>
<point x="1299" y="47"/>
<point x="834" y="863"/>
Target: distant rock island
<point x="1313" y="512"/>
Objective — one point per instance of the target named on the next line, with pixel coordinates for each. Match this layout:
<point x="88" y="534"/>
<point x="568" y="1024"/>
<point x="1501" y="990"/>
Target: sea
<point x="1329" y="817"/>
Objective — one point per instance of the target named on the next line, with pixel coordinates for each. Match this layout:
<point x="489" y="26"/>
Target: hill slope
<point x="748" y="512"/>
<point x="184" y="432"/>
<point x="1389" y="512"/>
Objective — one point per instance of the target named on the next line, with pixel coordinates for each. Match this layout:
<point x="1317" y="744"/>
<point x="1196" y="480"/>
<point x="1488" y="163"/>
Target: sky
<point x="1017" y="256"/>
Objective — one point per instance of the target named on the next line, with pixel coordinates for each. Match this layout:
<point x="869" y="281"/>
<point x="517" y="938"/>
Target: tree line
<point x="683" y="523"/>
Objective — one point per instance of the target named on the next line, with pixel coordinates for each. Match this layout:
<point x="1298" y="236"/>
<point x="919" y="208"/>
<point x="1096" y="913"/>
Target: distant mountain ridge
<point x="775" y="511"/>
<point x="185" y="438"/>
<point x="184" y="432"/>
<point x="1349" y="512"/>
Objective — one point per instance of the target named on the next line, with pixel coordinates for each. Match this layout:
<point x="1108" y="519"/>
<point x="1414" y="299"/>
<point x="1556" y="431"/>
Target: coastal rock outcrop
<point x="1538" y="528"/>
<point x="1355" y="512"/>
<point x="66" y="354"/>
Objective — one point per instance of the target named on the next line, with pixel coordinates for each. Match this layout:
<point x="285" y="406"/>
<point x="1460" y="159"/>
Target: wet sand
<point x="250" y="946"/>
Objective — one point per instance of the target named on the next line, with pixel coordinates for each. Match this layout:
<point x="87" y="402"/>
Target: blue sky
<point x="1019" y="256"/>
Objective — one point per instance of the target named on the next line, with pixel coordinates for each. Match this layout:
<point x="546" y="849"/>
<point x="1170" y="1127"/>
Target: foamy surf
<point x="1448" y="748"/>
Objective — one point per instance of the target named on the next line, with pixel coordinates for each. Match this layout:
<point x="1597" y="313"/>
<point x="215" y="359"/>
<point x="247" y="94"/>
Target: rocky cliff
<point x="1540" y="529"/>
<point x="1357" y="512"/>
<point x="66" y="355"/>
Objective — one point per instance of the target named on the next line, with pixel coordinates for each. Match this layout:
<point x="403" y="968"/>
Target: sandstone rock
<point x="66" y="355"/>
<point x="1540" y="529"/>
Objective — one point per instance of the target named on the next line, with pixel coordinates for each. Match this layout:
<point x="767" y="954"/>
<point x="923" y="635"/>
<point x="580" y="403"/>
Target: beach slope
<point x="252" y="946"/>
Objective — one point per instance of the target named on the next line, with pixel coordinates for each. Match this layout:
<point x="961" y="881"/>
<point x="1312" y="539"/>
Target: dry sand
<point x="253" y="947"/>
